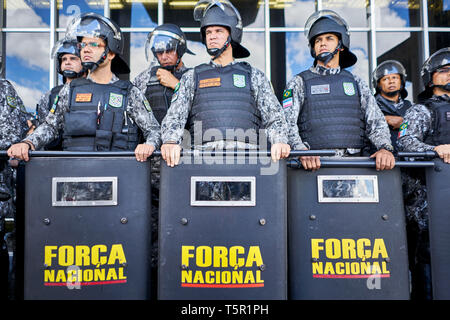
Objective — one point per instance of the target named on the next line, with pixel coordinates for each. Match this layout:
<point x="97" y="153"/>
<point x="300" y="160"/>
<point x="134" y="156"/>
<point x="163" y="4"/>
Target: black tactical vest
<point x="389" y="109"/>
<point x="224" y="100"/>
<point x="158" y="95"/>
<point x="440" y="116"/>
<point x="97" y="119"/>
<point x="53" y="100"/>
<point x="331" y="117"/>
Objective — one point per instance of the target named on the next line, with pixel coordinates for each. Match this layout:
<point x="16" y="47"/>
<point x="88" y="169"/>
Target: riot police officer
<point x="327" y="107"/>
<point x="388" y="79"/>
<point x="426" y="128"/>
<point x="167" y="44"/>
<point x="13" y="117"/>
<point x="99" y="112"/>
<point x="68" y="64"/>
<point x="223" y="94"/>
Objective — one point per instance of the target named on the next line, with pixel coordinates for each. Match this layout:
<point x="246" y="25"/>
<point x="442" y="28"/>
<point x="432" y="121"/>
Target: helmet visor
<point x="330" y="14"/>
<point x="64" y="46"/>
<point x="202" y="7"/>
<point x="91" y="25"/>
<point x="159" y="42"/>
<point x="389" y="67"/>
<point x="438" y="59"/>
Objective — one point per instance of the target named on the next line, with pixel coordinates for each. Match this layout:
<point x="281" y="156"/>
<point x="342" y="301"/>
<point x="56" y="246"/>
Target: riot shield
<point x="222" y="230"/>
<point x="87" y="228"/>
<point x="438" y="191"/>
<point x="347" y="237"/>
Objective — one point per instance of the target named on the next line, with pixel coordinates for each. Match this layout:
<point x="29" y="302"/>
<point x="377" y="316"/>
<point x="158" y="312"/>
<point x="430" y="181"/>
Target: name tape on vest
<point x="320" y="89"/>
<point x="211" y="82"/>
<point x="83" y="97"/>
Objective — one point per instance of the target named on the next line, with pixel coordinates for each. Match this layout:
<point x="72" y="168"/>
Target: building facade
<point x="405" y="30"/>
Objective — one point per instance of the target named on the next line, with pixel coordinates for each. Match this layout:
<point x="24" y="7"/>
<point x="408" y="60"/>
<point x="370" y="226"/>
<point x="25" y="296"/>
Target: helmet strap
<point x="215" y="53"/>
<point x="326" y="57"/>
<point x="94" y="65"/>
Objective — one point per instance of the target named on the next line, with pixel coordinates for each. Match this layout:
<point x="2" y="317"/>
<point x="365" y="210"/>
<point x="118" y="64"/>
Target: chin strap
<point x="94" y="65"/>
<point x="215" y="53"/>
<point x="391" y="94"/>
<point x="326" y="57"/>
<point x="445" y="87"/>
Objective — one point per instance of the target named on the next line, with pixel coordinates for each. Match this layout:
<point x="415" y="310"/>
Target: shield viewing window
<point x="352" y="189"/>
<point x="84" y="191"/>
<point x="223" y="191"/>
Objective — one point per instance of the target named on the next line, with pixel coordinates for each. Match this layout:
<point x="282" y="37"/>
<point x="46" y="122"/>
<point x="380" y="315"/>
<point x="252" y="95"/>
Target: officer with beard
<point x="426" y="127"/>
<point x="389" y="83"/>
<point x="327" y="107"/>
<point x="167" y="44"/>
<point x="68" y="64"/>
<point x="99" y="112"/>
<point x="224" y="94"/>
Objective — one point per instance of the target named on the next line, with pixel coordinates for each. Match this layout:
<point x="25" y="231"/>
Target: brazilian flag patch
<point x="402" y="129"/>
<point x="287" y="94"/>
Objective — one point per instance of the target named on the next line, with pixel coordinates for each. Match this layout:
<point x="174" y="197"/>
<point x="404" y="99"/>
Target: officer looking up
<point x="426" y="127"/>
<point x="167" y="44"/>
<point x="68" y="64"/>
<point x="327" y="107"/>
<point x="223" y="94"/>
<point x="389" y="82"/>
<point x="101" y="112"/>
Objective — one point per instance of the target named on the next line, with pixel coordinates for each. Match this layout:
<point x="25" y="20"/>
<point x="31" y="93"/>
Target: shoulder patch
<point x="12" y="101"/>
<point x="402" y="130"/>
<point x="239" y="80"/>
<point x="147" y="104"/>
<point x="287" y="93"/>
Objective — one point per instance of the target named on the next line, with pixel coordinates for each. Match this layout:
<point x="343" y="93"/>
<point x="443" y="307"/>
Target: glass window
<point x="254" y="42"/>
<point x="352" y="11"/>
<point x="27" y="65"/>
<point x="359" y="47"/>
<point x="291" y="14"/>
<point x="399" y="13"/>
<point x="67" y="9"/>
<point x="439" y="13"/>
<point x="135" y="14"/>
<point x="23" y="13"/>
<point x="392" y="46"/>
<point x="180" y="12"/>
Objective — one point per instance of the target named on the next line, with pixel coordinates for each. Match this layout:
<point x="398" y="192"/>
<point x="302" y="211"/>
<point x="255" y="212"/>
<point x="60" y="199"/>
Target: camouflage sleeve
<point x="293" y="98"/>
<point x="42" y="108"/>
<point x="172" y="126"/>
<point x="377" y="130"/>
<point x="140" y="112"/>
<point x="272" y="116"/>
<point x="49" y="129"/>
<point x="415" y="127"/>
<point x="141" y="80"/>
<point x="13" y="116"/>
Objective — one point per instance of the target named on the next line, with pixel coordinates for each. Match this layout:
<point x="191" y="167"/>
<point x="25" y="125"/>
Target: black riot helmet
<point x="166" y="37"/>
<point x="439" y="59"/>
<point x="221" y="13"/>
<point x="94" y="25"/>
<point x="328" y="21"/>
<point x="390" y="67"/>
<point x="62" y="47"/>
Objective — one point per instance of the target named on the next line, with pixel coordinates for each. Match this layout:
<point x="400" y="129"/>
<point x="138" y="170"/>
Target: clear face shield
<point x="65" y="46"/>
<point x="161" y="41"/>
<point x="389" y="67"/>
<point x="92" y="26"/>
<point x="202" y="7"/>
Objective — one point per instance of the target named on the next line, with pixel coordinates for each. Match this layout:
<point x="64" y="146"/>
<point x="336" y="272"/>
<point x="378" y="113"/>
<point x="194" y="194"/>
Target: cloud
<point x="29" y="96"/>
